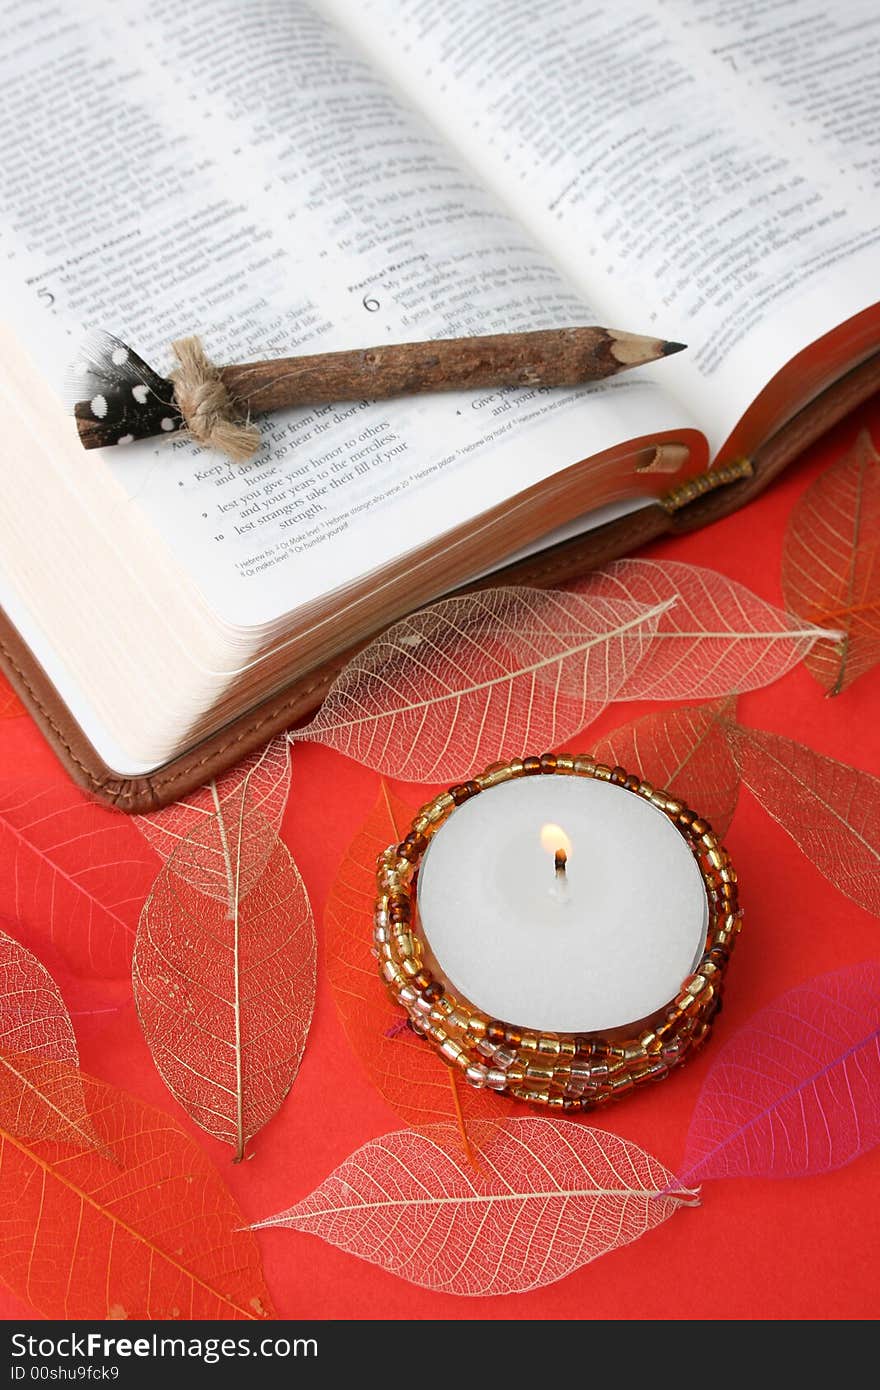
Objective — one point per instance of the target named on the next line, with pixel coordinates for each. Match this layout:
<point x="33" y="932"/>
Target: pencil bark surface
<point x="548" y="357"/>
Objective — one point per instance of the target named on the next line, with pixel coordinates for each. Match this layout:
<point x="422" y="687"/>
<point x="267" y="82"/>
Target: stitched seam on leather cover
<point x="157" y="782"/>
<point x="251" y="729"/>
<point x="90" y="777"/>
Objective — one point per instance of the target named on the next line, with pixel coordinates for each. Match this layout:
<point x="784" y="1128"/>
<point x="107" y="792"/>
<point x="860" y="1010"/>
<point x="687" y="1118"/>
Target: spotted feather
<point x="111" y="385"/>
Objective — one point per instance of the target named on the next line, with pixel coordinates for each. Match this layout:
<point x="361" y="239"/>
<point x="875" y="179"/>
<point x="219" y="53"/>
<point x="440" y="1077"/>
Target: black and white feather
<point x="119" y="393"/>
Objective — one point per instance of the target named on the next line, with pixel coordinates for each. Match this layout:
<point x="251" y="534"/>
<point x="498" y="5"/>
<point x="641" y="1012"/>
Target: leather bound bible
<point x="313" y="176"/>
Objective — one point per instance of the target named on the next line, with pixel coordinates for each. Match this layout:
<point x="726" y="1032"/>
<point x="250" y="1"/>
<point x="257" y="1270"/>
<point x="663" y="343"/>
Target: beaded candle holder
<point x="565" y="1071"/>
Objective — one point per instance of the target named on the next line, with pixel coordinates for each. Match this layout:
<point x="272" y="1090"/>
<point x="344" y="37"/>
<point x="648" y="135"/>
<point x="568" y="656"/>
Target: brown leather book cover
<point x="306" y="688"/>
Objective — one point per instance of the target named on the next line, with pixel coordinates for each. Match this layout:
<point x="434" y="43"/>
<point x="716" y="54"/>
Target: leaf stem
<point x="459" y="1120"/>
<point x="232" y="880"/>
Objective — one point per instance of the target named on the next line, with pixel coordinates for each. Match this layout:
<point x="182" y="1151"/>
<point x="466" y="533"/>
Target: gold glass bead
<point x="623" y="1082"/>
<point x="538" y="1071"/>
<point x="585" y="765"/>
<point x="493" y="776"/>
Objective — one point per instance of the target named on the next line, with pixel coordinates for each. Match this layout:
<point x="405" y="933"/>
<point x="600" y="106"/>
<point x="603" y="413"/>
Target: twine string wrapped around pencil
<point x="206" y="406"/>
<point x="120" y="398"/>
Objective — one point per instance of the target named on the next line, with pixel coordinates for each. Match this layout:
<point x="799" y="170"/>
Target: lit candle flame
<point x="555" y="841"/>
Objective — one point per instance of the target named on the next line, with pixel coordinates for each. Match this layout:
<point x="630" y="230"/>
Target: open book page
<point x="703" y="165"/>
<point x="240" y="170"/>
<point x="817" y="64"/>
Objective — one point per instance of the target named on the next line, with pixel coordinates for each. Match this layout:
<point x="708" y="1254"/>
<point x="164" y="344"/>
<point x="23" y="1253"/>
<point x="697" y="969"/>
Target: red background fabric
<point x="754" y="1249"/>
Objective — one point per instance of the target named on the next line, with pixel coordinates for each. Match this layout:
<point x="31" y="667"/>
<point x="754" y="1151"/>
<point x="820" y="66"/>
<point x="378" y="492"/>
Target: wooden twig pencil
<point x="128" y="400"/>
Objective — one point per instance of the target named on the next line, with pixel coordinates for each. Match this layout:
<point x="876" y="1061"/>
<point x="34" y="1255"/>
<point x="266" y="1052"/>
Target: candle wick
<point x="560" y="859"/>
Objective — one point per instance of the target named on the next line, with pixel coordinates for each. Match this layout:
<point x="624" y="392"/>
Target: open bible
<point x="282" y="176"/>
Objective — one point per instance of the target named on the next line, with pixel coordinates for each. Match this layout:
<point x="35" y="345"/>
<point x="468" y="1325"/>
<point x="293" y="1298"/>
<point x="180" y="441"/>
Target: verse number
<point x="371" y="305"/>
<point x="47" y="297"/>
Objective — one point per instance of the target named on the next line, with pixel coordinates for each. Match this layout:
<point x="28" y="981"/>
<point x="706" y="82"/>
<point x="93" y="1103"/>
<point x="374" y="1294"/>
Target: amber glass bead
<point x="632" y="784"/>
<point x="400" y="912"/>
<point x="700" y="827"/>
<point x="434" y="992"/>
<point x="412" y="846"/>
<point x="495" y="1032"/>
<point x="685" y="817"/>
<point x="513" y="1037"/>
<point x="618" y="776"/>
<point x="422" y="979"/>
<point x="463" y="792"/>
<point x="548" y="762"/>
<point x="531" y="766"/>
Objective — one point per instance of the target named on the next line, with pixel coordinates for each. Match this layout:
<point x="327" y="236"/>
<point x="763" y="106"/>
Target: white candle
<point x="601" y="944"/>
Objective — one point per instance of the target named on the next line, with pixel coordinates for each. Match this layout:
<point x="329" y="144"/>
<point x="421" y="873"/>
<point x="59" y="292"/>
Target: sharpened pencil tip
<point x="670" y="348"/>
